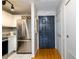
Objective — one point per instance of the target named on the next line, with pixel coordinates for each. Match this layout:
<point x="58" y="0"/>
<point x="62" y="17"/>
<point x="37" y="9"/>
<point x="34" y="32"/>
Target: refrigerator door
<point x="23" y="36"/>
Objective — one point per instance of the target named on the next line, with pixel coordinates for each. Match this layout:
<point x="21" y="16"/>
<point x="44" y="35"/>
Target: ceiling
<point x="20" y="6"/>
<point x="24" y="6"/>
<point x="48" y="5"/>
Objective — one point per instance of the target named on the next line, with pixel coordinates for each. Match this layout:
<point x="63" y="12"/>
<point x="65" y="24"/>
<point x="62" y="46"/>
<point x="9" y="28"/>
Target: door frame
<point x="54" y="28"/>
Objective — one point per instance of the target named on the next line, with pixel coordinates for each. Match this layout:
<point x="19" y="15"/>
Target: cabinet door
<point x="8" y="19"/>
<point x="12" y="44"/>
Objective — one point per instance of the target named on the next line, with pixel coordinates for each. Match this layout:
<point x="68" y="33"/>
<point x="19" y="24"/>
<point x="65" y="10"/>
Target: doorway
<point x="46" y="32"/>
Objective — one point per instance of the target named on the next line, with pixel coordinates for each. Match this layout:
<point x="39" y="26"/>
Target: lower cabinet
<point x="11" y="44"/>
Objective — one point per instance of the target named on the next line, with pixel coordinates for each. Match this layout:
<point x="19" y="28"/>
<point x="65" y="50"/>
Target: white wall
<point x="60" y="29"/>
<point x="33" y="32"/>
<point x="45" y="13"/>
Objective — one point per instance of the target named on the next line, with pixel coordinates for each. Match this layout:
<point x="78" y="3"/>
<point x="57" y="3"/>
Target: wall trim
<point x="69" y="51"/>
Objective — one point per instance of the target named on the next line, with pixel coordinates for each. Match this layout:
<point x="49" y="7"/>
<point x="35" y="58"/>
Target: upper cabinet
<point x="8" y="19"/>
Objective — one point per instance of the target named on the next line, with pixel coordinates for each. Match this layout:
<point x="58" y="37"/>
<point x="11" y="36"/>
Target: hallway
<point x="47" y="54"/>
<point x="39" y="29"/>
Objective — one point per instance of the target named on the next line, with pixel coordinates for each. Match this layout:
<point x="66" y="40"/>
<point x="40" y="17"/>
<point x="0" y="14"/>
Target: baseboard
<point x="59" y="53"/>
<point x="70" y="55"/>
<point x="24" y="53"/>
<point x="34" y="54"/>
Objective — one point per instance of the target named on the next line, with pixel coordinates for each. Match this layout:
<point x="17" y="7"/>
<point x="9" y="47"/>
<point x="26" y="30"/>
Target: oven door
<point x="4" y="47"/>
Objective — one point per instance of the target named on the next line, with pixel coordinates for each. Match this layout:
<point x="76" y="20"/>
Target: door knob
<point x="67" y="36"/>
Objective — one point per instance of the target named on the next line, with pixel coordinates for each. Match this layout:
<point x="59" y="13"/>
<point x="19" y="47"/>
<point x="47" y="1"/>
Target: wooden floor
<point x="47" y="54"/>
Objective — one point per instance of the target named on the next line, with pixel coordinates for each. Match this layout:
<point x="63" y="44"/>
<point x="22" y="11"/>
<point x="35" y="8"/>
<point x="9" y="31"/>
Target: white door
<point x="70" y="18"/>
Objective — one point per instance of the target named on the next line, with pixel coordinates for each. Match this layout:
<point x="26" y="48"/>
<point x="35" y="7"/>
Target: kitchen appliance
<point x="4" y="46"/>
<point x="23" y="36"/>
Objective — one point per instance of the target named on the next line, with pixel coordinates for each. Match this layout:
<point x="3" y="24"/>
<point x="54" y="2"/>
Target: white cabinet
<point x="12" y="43"/>
<point x="8" y="19"/>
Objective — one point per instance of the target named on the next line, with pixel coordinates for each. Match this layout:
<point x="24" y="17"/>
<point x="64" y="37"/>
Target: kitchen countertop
<point x="5" y="38"/>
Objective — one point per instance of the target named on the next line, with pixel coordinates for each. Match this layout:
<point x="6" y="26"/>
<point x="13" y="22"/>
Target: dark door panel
<point x="46" y="32"/>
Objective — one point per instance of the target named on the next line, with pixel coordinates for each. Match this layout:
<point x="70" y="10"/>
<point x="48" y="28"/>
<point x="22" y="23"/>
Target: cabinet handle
<point x="67" y="2"/>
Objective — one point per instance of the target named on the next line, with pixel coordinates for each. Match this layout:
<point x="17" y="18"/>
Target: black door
<point x="46" y="32"/>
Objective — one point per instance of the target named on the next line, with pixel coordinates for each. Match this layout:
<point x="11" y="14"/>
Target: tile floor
<point x="20" y="56"/>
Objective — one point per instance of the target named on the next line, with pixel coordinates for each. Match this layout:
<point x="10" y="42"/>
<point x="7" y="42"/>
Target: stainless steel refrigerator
<point x="24" y="36"/>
